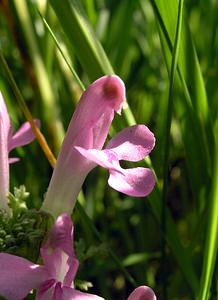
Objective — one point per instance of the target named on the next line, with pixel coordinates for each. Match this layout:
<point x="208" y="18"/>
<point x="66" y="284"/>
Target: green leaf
<point x="211" y="244"/>
<point x="83" y="40"/>
<point x="193" y="112"/>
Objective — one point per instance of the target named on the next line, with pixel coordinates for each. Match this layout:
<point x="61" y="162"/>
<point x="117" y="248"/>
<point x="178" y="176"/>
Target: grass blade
<point x="175" y="53"/>
<point x="211" y="244"/>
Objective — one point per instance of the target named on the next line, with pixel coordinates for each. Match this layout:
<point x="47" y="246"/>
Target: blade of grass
<point x="191" y="72"/>
<point x="211" y="244"/>
<point x="82" y="37"/>
<point x="120" y="26"/>
<point x="62" y="54"/>
<point x="167" y="142"/>
<point x="45" y="88"/>
<point x="86" y="45"/>
<point x="193" y="113"/>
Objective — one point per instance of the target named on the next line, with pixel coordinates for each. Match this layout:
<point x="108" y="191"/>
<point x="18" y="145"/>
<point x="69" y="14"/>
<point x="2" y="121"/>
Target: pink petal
<point x="4" y="170"/>
<point x="137" y="182"/>
<point x="101" y="98"/>
<point x="142" y="293"/>
<point x="94" y="114"/>
<point x="132" y="143"/>
<point x="13" y="160"/>
<point x="4" y="164"/>
<point x="4" y="117"/>
<point x="105" y="158"/>
<point x="58" y="252"/>
<point x="23" y="136"/>
<point x="46" y="290"/>
<point x="72" y="294"/>
<point x="19" y="276"/>
<point x="88" y="129"/>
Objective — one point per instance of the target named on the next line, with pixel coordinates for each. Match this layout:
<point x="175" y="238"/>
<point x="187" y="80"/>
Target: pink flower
<point x="82" y="148"/>
<point x="54" y="279"/>
<point x="142" y="293"/>
<point x="8" y="142"/>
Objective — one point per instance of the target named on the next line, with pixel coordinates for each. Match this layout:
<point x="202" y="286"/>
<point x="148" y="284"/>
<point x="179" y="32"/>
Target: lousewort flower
<point x="8" y="142"/>
<point x="54" y="279"/>
<point x="82" y="148"/>
<point x="142" y="293"/>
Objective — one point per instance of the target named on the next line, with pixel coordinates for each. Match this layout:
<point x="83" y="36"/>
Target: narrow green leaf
<point x="170" y="105"/>
<point x="193" y="113"/>
<point x="211" y="244"/>
<point x="44" y="84"/>
<point x="65" y="59"/>
<point x="188" y="61"/>
<point x="82" y="38"/>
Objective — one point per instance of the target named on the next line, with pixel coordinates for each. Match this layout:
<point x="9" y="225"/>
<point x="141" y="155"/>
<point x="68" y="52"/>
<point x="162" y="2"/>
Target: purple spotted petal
<point x="142" y="293"/>
<point x="132" y="143"/>
<point x="19" y="276"/>
<point x="137" y="182"/>
<point x="58" y="252"/>
<point x="23" y="136"/>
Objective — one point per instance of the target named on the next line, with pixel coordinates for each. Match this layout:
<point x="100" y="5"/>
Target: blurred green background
<point x="168" y="242"/>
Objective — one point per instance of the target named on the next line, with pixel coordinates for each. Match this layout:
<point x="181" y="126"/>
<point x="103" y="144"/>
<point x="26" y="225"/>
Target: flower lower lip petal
<point x="137" y="182"/>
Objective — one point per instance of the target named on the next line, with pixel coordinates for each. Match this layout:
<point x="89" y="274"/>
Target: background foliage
<point x="167" y="241"/>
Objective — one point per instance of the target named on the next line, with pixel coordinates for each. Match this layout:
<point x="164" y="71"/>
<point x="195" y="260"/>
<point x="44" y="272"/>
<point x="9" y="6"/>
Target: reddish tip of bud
<point x="110" y="88"/>
<point x="114" y="90"/>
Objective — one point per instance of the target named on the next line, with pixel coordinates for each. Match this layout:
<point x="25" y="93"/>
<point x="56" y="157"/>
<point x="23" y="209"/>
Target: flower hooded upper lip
<point x="8" y="142"/>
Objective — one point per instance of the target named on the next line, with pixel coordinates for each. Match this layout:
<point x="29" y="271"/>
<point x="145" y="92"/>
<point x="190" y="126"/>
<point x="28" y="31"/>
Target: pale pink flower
<point x="82" y="148"/>
<point x="8" y="142"/>
<point x="54" y="279"/>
